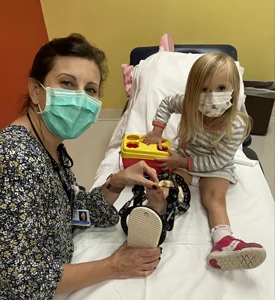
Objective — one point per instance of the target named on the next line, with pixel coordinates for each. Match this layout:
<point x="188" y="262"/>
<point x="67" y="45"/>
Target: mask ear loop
<point x="38" y="105"/>
<point x="39" y="109"/>
<point x="42" y="85"/>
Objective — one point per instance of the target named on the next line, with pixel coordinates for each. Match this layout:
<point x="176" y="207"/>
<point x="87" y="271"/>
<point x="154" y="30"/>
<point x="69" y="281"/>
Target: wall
<point x="22" y="32"/>
<point x="117" y="26"/>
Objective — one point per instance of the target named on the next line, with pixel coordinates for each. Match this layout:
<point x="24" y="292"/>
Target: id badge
<point x="81" y="217"/>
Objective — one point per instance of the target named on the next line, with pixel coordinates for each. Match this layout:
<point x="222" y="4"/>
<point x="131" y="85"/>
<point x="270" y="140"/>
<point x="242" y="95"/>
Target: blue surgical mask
<point x="69" y="113"/>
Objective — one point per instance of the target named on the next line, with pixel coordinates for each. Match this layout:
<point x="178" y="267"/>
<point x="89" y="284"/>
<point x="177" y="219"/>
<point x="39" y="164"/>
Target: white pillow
<point x="160" y="75"/>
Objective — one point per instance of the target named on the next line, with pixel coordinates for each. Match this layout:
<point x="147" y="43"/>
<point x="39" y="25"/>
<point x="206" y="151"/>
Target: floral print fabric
<point x="35" y="216"/>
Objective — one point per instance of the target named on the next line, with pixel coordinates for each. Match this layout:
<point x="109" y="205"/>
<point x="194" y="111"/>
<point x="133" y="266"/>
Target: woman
<point x="38" y="191"/>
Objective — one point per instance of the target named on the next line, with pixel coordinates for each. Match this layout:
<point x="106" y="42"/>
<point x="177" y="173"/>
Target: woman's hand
<point x="125" y="262"/>
<point x="173" y="162"/>
<point x="135" y="175"/>
<point x="129" y="262"/>
<point x="153" y="137"/>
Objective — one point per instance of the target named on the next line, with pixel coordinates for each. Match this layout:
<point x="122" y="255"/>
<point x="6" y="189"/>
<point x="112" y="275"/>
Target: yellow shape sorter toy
<point x="133" y="149"/>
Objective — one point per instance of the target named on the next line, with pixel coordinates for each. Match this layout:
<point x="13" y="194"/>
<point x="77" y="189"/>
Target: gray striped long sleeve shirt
<point x="202" y="155"/>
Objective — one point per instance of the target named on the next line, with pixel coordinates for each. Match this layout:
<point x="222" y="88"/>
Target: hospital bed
<point x="182" y="273"/>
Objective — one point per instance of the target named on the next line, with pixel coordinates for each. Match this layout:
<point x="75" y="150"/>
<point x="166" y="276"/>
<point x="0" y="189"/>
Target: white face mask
<point x="214" y="104"/>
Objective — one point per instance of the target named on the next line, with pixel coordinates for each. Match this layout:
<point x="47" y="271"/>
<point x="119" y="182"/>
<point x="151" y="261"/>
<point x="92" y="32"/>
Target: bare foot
<point x="157" y="199"/>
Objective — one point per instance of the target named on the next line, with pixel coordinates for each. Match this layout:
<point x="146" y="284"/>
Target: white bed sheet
<point x="182" y="273"/>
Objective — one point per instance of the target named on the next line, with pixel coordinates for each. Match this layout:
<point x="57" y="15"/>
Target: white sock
<point x="220" y="231"/>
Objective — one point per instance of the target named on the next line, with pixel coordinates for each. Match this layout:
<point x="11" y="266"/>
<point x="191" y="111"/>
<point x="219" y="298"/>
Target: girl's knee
<point x="213" y="198"/>
<point x="213" y="192"/>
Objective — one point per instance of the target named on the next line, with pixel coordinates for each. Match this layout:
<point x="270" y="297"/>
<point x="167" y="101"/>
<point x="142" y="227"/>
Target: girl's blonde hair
<point x="191" y="124"/>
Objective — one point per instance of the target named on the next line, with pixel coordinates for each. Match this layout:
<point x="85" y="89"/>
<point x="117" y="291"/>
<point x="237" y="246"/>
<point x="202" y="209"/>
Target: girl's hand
<point x="153" y="137"/>
<point x="129" y="262"/>
<point x="173" y="162"/>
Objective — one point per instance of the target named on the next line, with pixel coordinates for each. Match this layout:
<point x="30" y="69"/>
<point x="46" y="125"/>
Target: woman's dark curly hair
<point x="74" y="45"/>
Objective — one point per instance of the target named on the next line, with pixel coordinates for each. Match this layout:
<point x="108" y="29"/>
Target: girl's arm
<point x="168" y="106"/>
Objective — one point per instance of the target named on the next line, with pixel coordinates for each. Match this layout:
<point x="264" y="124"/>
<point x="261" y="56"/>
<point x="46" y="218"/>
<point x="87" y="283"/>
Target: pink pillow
<point x="127" y="78"/>
<point x="166" y="44"/>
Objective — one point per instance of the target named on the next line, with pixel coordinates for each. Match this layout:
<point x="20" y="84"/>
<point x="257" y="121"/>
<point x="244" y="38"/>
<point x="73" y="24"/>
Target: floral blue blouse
<point x="35" y="216"/>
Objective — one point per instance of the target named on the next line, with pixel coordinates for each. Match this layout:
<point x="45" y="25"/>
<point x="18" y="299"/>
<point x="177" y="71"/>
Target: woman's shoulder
<point x="18" y="144"/>
<point x="14" y="136"/>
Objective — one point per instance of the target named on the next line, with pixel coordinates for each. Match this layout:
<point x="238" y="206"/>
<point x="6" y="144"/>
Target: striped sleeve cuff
<point x="155" y="123"/>
<point x="189" y="164"/>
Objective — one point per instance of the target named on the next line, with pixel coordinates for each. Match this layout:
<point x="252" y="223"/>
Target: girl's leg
<point x="227" y="252"/>
<point x="213" y="197"/>
<point x="157" y="199"/>
<point x="187" y="177"/>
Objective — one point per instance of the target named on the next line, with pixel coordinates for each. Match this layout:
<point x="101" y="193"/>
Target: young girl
<point x="210" y="132"/>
